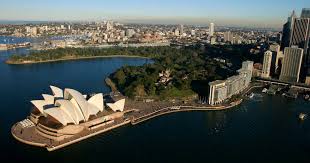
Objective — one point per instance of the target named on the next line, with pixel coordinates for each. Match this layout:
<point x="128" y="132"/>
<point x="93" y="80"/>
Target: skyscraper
<point x="181" y="27"/>
<point x="267" y="64"/>
<point x="176" y="32"/>
<point x="286" y="33"/>
<point x="291" y="64"/>
<point x="305" y="13"/>
<point x="300" y="37"/>
<point x="228" y="37"/>
<point x="300" y="33"/>
<point x="211" y="29"/>
<point x="277" y="55"/>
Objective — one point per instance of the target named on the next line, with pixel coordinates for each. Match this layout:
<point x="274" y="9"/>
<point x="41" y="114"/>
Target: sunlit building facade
<point x="221" y="90"/>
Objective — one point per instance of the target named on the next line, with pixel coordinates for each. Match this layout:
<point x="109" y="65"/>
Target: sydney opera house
<point x="66" y="114"/>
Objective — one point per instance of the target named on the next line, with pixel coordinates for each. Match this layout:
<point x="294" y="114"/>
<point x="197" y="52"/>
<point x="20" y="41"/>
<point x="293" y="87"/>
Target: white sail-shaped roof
<point x="70" y="105"/>
<point x="60" y="115"/>
<point x="71" y="110"/>
<point x="92" y="109"/>
<point x="97" y="100"/>
<point x="48" y="98"/>
<point x="118" y="105"/>
<point x="57" y="91"/>
<point x="80" y="100"/>
<point x="39" y="104"/>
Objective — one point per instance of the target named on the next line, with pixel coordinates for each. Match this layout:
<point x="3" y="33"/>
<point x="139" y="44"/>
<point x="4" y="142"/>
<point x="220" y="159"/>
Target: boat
<point x="264" y="90"/>
<point x="251" y="95"/>
<point x="302" y="116"/>
<point x="307" y="97"/>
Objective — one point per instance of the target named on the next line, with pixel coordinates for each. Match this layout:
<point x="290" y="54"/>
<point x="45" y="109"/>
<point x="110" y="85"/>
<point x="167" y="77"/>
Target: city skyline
<point x="198" y="12"/>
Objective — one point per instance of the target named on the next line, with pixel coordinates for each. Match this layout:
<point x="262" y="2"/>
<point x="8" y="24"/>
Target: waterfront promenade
<point x="148" y="111"/>
<point x="137" y="112"/>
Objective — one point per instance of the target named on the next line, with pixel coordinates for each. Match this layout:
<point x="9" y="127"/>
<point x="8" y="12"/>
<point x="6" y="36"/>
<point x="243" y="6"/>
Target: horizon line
<point x="145" y="21"/>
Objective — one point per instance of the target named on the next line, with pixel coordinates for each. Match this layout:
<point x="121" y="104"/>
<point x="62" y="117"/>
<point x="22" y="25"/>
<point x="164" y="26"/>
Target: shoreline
<point x="77" y="58"/>
<point x="186" y="109"/>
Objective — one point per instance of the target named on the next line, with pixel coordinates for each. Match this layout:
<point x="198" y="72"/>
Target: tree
<point x="120" y="77"/>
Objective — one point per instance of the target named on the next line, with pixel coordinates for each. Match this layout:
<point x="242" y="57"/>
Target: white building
<point x="193" y="32"/>
<point x="177" y="32"/>
<point x="71" y="107"/>
<point x="267" y="64"/>
<point x="181" y="27"/>
<point x="221" y="90"/>
<point x="217" y="92"/>
<point x="211" y="29"/>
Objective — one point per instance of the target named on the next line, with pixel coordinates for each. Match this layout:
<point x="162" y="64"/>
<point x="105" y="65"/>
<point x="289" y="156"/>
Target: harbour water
<point x="262" y="129"/>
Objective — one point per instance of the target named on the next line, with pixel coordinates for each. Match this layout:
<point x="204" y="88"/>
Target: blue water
<point x="14" y="40"/>
<point x="264" y="129"/>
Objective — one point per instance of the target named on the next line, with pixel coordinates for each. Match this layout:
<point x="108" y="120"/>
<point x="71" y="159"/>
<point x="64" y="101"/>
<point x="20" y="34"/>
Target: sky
<point x="259" y="13"/>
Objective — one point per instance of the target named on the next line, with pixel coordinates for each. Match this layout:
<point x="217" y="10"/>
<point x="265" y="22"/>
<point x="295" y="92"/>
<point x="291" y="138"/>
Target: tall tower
<point x="267" y="64"/>
<point x="286" y="33"/>
<point x="291" y="64"/>
<point x="305" y="13"/>
<point x="211" y="29"/>
<point x="228" y="37"/>
<point x="181" y="27"/>
<point x="300" y="37"/>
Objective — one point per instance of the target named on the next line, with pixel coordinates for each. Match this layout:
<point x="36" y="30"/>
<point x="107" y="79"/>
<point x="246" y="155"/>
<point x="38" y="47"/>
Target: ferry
<point x="302" y="116"/>
<point x="251" y="95"/>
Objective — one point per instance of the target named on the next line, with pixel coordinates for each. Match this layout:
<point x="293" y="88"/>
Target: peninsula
<point x="68" y="116"/>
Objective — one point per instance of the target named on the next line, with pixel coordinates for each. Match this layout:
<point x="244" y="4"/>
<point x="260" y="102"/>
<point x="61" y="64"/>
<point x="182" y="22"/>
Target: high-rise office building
<point x="277" y="58"/>
<point x="211" y="29"/>
<point x="305" y="13"/>
<point x="300" y="37"/>
<point x="193" y="32"/>
<point x="267" y="64"/>
<point x="228" y="37"/>
<point x="177" y="32"/>
<point x="300" y="33"/>
<point x="286" y="33"/>
<point x="277" y="55"/>
<point x="291" y="64"/>
<point x="181" y="27"/>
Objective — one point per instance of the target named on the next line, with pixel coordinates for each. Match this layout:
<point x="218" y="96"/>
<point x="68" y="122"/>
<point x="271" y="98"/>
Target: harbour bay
<point x="266" y="124"/>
